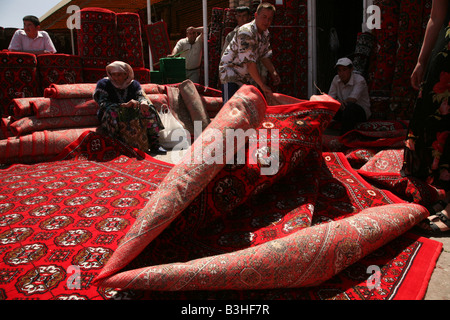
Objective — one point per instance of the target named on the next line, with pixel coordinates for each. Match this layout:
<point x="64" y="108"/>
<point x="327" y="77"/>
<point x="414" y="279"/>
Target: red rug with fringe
<point x="61" y="221"/>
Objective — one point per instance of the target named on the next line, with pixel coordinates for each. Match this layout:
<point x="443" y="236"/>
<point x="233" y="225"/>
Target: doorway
<point x="338" y="24"/>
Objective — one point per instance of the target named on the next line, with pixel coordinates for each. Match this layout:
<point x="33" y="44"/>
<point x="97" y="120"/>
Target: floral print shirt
<point x="248" y="45"/>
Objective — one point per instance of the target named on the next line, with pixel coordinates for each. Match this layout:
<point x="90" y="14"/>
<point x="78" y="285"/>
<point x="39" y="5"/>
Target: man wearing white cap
<point x="350" y="89"/>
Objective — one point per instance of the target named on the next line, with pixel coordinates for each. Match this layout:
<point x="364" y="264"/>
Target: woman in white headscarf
<point x="125" y="111"/>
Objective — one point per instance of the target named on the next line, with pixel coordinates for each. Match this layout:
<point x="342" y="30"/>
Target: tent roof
<point x="56" y="17"/>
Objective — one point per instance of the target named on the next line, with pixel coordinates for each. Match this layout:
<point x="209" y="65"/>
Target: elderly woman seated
<point x="126" y="113"/>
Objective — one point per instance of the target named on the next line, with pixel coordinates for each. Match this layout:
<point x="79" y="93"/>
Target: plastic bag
<point x="174" y="134"/>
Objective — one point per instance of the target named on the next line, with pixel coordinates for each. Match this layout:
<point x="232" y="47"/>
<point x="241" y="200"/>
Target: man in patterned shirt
<point x="239" y="63"/>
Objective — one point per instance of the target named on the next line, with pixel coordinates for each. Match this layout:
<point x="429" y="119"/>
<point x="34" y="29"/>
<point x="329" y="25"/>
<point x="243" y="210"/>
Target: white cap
<point x="344" y="62"/>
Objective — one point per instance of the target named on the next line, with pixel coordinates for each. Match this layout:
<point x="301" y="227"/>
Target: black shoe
<point x="158" y="150"/>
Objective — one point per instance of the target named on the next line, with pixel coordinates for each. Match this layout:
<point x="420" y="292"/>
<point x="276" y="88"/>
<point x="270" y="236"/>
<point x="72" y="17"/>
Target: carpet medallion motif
<point x="71" y="212"/>
<point x="310" y="233"/>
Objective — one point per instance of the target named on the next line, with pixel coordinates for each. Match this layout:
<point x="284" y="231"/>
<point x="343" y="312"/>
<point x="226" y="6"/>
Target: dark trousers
<point x="228" y="90"/>
<point x="350" y="116"/>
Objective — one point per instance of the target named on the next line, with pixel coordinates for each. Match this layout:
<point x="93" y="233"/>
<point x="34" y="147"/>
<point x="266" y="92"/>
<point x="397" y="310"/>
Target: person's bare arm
<point x="437" y="17"/>
<point x="271" y="70"/>
<point x="200" y="31"/>
<point x="254" y="73"/>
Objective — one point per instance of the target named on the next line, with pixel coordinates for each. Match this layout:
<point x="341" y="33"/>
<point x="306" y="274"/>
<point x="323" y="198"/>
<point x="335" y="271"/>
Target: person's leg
<point x="351" y="116"/>
<point x="228" y="90"/>
<point x="193" y="75"/>
<point x="437" y="223"/>
<point x="338" y="115"/>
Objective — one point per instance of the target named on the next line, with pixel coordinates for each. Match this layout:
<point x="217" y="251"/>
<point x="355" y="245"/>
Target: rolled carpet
<point x="306" y="258"/>
<point x="187" y="179"/>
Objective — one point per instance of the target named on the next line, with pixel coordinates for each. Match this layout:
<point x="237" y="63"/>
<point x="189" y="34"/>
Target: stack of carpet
<point x="18" y="77"/>
<point x="106" y="36"/>
<point x="25" y="75"/>
<point x="41" y="127"/>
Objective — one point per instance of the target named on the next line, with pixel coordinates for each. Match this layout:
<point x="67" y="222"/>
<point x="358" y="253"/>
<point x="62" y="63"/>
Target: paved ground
<point x="439" y="287"/>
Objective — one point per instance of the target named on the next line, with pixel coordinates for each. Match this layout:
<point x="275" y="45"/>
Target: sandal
<point x="432" y="228"/>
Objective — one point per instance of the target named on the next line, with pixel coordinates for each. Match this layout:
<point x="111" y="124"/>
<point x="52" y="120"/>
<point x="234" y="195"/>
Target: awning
<point x="56" y="17"/>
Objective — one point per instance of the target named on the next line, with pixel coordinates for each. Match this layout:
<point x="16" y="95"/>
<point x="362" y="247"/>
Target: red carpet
<point x="92" y="196"/>
<point x="376" y="134"/>
<point x="18" y="78"/>
<point x="159" y="40"/>
<point x="28" y="125"/>
<point x="59" y="68"/>
<point x="70" y="212"/>
<point x="79" y="209"/>
<point x="129" y="37"/>
<point x="38" y="146"/>
<point x="97" y="37"/>
<point x="383" y="170"/>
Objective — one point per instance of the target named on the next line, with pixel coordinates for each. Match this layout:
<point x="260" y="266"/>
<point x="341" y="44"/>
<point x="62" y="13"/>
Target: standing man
<point x="350" y="89"/>
<point x="242" y="17"/>
<point x="191" y="48"/>
<point x="250" y="45"/>
<point x="31" y="39"/>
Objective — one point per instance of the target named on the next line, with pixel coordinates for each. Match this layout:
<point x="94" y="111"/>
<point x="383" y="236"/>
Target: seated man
<point x="350" y="89"/>
<point x="31" y="39"/>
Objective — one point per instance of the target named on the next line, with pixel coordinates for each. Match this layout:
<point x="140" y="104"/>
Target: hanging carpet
<point x="159" y="41"/>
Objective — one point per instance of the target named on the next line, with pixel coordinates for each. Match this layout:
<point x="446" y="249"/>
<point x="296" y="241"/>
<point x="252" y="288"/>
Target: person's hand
<point x="131" y="104"/>
<point x="275" y="78"/>
<point x="349" y="100"/>
<point x="342" y="105"/>
<point x="126" y="105"/>
<point x="417" y="76"/>
<point x="267" y="91"/>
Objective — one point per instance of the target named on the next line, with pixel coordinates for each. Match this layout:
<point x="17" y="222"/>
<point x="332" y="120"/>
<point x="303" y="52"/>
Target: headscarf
<point x="119" y="66"/>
